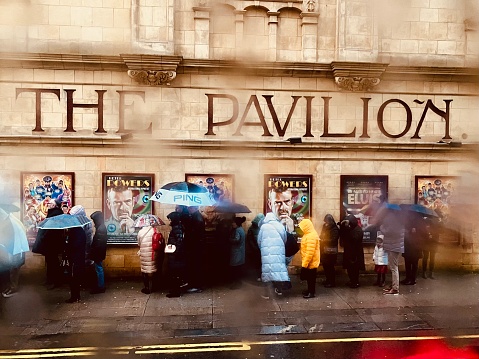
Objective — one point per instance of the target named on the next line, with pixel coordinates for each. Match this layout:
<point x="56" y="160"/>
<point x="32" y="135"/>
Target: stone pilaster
<point x="202" y="32"/>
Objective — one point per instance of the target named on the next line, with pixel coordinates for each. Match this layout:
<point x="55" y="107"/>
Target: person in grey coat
<point x="392" y="227"/>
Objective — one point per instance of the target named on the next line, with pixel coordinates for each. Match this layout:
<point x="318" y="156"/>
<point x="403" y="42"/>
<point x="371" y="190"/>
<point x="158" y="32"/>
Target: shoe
<point x="183" y="285"/>
<point x="146" y="290"/>
<point x="354" y="286"/>
<point x="308" y="296"/>
<point x="305" y="292"/>
<point x="194" y="290"/>
<point x="72" y="300"/>
<point x="424" y="276"/>
<point x="97" y="290"/>
<point x="173" y="295"/>
<point x="264" y="296"/>
<point x="409" y="283"/>
<point x="8" y="293"/>
<point x="329" y="285"/>
<point x="278" y="291"/>
<point x="404" y="281"/>
<point x="388" y="288"/>
<point x="392" y="292"/>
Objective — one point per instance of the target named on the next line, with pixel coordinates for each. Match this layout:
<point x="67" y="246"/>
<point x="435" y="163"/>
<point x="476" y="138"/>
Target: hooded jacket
<point x="271" y="240"/>
<point x="253" y="254"/>
<point x="309" y="245"/>
<point x="79" y="210"/>
<point x="145" y="240"/>
<point x="100" y="238"/>
<point x="329" y="236"/>
<point x="351" y="238"/>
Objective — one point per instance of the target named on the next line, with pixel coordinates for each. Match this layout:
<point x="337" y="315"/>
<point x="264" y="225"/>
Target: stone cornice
<point x="145" y="62"/>
<point x="136" y="144"/>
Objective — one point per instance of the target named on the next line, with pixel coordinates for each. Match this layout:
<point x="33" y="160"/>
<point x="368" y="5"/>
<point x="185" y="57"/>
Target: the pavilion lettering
<point x="238" y="122"/>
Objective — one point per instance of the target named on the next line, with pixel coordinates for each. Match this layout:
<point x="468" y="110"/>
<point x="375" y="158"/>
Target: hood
<point x="77" y="210"/>
<point x="52" y="212"/>
<point x="174" y="217"/>
<point x="259" y="217"/>
<point x="353" y="221"/>
<point x="329" y="220"/>
<point x="98" y="218"/>
<point x="306" y="226"/>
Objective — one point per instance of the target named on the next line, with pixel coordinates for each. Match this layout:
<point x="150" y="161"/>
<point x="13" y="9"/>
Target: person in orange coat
<point x="309" y="256"/>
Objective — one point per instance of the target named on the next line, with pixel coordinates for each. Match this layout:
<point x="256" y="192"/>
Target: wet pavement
<point x="450" y="303"/>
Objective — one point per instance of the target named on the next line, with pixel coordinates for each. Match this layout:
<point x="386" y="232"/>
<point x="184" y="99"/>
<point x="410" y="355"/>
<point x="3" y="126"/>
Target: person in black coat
<point x="194" y="224"/>
<point x="176" y="261"/>
<point x="351" y="239"/>
<point x="98" y="250"/>
<point x="75" y="250"/>
<point x="329" y="249"/>
<point x="51" y="243"/>
<point x="416" y="231"/>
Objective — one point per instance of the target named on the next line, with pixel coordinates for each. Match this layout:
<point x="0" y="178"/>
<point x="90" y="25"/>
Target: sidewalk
<point x="450" y="302"/>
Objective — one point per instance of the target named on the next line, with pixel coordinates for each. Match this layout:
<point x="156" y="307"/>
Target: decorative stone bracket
<point x="357" y="76"/>
<point x="151" y="70"/>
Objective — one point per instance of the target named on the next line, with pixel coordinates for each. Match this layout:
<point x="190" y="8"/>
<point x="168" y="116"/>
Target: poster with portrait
<point x="361" y="196"/>
<point x="219" y="185"/>
<point x="437" y="193"/>
<point x="125" y="197"/>
<point x="300" y="187"/>
<point x="39" y="191"/>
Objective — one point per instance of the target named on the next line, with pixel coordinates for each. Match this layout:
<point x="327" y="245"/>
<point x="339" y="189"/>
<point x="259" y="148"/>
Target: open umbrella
<point x="418" y="208"/>
<point x="183" y="193"/>
<point x="145" y="220"/>
<point x="64" y="221"/>
<point x="231" y="207"/>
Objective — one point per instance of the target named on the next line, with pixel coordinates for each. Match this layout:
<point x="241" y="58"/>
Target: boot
<point x="424" y="274"/>
<point x="146" y="284"/>
<point x="430" y="275"/>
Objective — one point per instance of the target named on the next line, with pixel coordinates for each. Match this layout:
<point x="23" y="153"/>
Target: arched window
<point x="222" y="33"/>
<point x="255" y="33"/>
<point x="289" y="39"/>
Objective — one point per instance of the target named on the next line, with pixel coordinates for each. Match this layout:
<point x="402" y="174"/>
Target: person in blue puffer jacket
<point x="271" y="241"/>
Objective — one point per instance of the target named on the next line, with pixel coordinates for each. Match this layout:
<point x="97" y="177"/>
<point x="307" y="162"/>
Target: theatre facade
<point x="341" y="100"/>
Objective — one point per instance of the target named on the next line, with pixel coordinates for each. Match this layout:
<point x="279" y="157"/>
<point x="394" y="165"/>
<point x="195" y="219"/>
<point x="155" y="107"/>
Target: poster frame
<point x="369" y="236"/>
<point x="130" y="239"/>
<point x="291" y="177"/>
<point x="56" y="175"/>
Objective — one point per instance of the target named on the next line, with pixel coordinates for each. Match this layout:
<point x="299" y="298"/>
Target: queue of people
<point x="261" y="255"/>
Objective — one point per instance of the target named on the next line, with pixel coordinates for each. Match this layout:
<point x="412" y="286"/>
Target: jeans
<point x="100" y="274"/>
<point x="393" y="260"/>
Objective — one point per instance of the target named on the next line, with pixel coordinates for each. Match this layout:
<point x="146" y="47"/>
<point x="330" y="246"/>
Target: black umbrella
<point x="231" y="207"/>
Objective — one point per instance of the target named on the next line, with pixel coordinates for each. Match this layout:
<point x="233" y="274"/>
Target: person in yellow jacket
<point x="309" y="256"/>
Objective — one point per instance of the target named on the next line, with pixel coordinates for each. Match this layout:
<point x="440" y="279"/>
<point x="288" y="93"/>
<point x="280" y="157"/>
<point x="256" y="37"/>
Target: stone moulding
<point x="356" y="83"/>
<point x="357" y="76"/>
<point x="152" y="78"/>
<point x="153" y="70"/>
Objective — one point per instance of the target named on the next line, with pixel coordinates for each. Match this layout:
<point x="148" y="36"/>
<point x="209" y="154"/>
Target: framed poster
<point x="299" y="186"/>
<point x="220" y="186"/>
<point x="437" y="193"/>
<point x="125" y="197"/>
<point x="359" y="195"/>
<point x="40" y="188"/>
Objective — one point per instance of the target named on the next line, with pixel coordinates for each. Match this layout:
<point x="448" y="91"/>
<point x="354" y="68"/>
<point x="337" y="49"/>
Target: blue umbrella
<point x="418" y="208"/>
<point x="394" y="207"/>
<point x="64" y="221"/>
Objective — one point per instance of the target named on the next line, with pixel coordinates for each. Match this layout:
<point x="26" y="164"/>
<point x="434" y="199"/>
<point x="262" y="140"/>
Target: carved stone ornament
<point x="356" y="83"/>
<point x="152" y="78"/>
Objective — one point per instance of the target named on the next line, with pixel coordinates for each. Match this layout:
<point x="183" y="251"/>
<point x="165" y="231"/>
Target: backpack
<point x="156" y="241"/>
